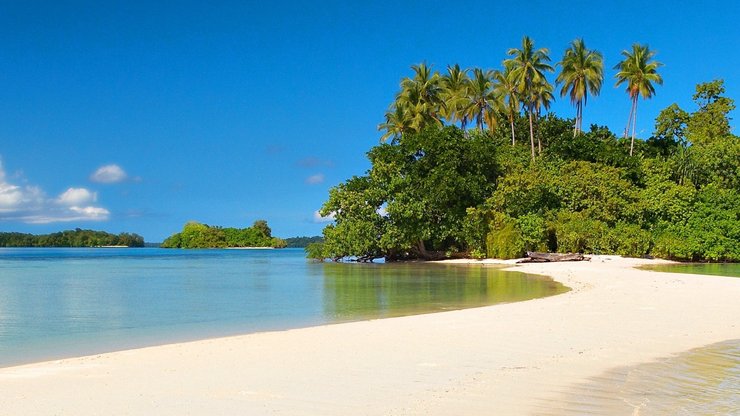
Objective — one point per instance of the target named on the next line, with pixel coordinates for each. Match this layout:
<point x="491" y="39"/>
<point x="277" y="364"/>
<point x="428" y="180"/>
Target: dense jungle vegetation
<point x="522" y="180"/>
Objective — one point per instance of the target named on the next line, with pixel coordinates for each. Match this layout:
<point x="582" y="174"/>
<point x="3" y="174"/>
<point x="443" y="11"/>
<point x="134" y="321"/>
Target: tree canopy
<point x="197" y="235"/>
<point x="71" y="238"/>
<point x="444" y="191"/>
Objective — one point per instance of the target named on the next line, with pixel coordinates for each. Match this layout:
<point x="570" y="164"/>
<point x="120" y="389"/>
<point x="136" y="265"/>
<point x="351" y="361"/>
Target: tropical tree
<point x="397" y="122"/>
<point x="639" y="71"/>
<point x="528" y="68"/>
<point x="422" y="95"/>
<point x="540" y="95"/>
<point x="582" y="71"/>
<point x="505" y="88"/>
<point x="482" y="99"/>
<point x="417" y="105"/>
<point x="455" y="91"/>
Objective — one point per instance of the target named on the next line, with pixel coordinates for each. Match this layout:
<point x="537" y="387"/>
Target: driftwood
<point x="535" y="257"/>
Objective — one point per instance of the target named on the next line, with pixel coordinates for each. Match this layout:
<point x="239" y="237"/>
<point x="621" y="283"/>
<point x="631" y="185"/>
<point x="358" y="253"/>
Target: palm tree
<point x="582" y="72"/>
<point x="397" y="122"/>
<point x="422" y="95"/>
<point x="541" y="97"/>
<point x="455" y="89"/>
<point x="528" y="68"/>
<point x="639" y="70"/>
<point x="481" y="99"/>
<point x="506" y="89"/>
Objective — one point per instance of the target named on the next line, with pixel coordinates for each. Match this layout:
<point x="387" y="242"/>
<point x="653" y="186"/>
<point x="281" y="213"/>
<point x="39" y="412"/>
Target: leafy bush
<point x="504" y="241"/>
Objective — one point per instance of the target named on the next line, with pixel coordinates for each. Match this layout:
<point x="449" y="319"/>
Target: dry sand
<point x="512" y="359"/>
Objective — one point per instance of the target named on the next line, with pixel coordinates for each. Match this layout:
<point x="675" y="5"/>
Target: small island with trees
<point x="197" y="235"/>
<point x="520" y="180"/>
<point x="72" y="238"/>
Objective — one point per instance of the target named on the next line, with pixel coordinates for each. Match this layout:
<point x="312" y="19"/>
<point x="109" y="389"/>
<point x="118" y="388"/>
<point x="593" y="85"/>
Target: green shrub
<point x="504" y="241"/>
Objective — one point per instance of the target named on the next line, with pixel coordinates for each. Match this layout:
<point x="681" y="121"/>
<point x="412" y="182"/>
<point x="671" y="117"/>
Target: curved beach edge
<point x="515" y="358"/>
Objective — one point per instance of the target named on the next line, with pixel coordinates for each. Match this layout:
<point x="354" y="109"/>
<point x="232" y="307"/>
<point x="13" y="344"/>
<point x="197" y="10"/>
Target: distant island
<point x="72" y="238"/>
<point x="197" y="235"/>
<point x="302" y="242"/>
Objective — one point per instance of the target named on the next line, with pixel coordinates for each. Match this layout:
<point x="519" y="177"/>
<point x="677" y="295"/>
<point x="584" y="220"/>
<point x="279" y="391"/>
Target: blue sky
<point x="128" y="116"/>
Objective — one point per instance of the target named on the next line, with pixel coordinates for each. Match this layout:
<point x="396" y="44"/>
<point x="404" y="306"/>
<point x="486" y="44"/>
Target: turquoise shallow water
<point x="703" y="381"/>
<point x="715" y="269"/>
<point x="67" y="302"/>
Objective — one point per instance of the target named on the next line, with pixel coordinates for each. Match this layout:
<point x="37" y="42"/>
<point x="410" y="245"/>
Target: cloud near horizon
<point x="30" y="205"/>
<point x="109" y="174"/>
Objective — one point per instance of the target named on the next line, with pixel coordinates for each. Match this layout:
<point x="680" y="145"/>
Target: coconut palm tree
<point x="398" y="121"/>
<point x="455" y="89"/>
<point x="541" y="97"/>
<point x="639" y="71"/>
<point x="582" y="71"/>
<point x="506" y="88"/>
<point x="528" y="68"/>
<point x="422" y="95"/>
<point x="481" y="99"/>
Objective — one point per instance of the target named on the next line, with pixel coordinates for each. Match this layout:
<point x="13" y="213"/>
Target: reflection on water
<point x="704" y="381"/>
<point x="58" y="303"/>
<point x="365" y="291"/>
<point x="715" y="269"/>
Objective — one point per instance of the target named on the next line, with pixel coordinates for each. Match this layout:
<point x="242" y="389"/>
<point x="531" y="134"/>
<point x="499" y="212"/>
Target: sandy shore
<point x="511" y="359"/>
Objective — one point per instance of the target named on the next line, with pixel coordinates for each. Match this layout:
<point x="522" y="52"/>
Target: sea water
<point x="715" y="269"/>
<point x="60" y="302"/>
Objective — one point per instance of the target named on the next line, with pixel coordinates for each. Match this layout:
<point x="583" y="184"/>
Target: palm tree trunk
<point x="634" y="123"/>
<point x="511" y="119"/>
<point x="539" y="141"/>
<point x="629" y="121"/>
<point x="531" y="132"/>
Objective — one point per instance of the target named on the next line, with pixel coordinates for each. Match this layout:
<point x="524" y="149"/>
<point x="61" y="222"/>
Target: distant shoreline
<point x="249" y="248"/>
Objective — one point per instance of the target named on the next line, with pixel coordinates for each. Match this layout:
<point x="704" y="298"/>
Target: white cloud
<point x="29" y="204"/>
<point x="77" y="196"/>
<point x="92" y="213"/>
<point x="319" y="219"/>
<point x="108" y="174"/>
<point x="315" y="179"/>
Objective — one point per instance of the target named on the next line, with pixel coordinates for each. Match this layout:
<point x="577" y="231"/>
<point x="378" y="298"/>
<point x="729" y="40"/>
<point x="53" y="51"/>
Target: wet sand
<point x="522" y="358"/>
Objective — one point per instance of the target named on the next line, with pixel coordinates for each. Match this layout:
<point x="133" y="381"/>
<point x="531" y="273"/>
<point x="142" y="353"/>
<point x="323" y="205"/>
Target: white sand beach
<point x="510" y="359"/>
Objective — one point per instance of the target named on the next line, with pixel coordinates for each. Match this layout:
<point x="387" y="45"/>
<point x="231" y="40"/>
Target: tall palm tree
<point x="639" y="70"/>
<point x="541" y="97"/>
<point x="582" y="71"/>
<point x="455" y="89"/>
<point x="481" y="99"/>
<point x="506" y="89"/>
<point x="529" y="67"/>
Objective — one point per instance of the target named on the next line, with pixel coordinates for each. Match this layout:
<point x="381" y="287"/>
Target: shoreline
<point x="506" y="358"/>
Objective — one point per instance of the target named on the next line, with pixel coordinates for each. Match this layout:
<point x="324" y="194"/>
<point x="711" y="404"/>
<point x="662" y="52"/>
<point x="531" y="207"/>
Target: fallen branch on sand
<point x="535" y="257"/>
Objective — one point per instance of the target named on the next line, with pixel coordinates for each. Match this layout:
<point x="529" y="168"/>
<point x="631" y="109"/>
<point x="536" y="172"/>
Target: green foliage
<point x="197" y="235"/>
<point x="424" y="184"/>
<point x="504" y="239"/>
<point x="447" y="192"/>
<point x="71" y="238"/>
<point x="315" y="251"/>
<point x="301" y="242"/>
<point x="533" y="230"/>
<point x="576" y="232"/>
<point x="710" y="122"/>
<point x="711" y="231"/>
